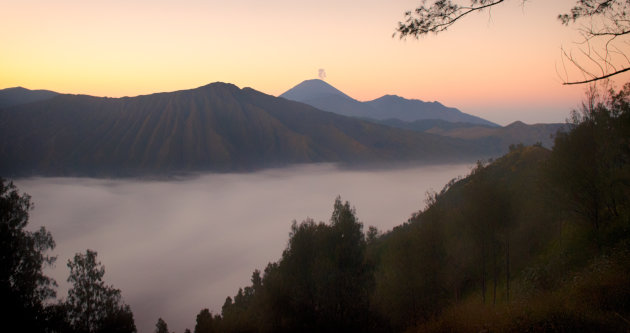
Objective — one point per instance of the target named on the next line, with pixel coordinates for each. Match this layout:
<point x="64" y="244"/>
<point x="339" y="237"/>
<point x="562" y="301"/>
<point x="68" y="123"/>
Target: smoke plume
<point x="322" y="73"/>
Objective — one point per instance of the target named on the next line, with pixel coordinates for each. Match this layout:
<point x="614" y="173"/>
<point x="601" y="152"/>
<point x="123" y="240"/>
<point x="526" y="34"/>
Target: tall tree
<point x="205" y="323"/>
<point x="590" y="166"/>
<point x="23" y="285"/>
<point x="605" y="29"/>
<point x="92" y="305"/>
<point x="161" y="326"/>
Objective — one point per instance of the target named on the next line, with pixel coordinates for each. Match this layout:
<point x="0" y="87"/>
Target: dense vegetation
<point x="537" y="240"/>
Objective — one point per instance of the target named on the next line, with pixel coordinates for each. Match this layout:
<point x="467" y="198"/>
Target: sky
<point x="501" y="65"/>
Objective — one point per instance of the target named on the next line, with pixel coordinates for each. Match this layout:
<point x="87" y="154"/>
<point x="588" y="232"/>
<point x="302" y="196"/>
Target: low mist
<point x="176" y="247"/>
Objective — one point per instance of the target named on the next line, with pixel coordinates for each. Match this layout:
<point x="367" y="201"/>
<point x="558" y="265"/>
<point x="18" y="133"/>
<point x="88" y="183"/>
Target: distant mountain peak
<point x="517" y="123"/>
<point x="219" y="84"/>
<point x="323" y="96"/>
<point x="392" y="96"/>
<point x="312" y="89"/>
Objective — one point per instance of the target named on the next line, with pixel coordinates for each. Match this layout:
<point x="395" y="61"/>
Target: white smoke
<point x="322" y="73"/>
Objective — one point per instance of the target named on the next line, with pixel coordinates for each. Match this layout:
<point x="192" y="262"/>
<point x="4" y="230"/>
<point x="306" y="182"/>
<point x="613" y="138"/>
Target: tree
<point x="23" y="286"/>
<point x="590" y="165"/>
<point x="161" y="326"/>
<point x="324" y="267"/>
<point x="205" y="323"/>
<point x="605" y="30"/>
<point x="91" y="305"/>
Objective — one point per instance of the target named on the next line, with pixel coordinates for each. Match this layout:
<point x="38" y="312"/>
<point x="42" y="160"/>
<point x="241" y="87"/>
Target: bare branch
<point x="598" y="78"/>
<point x="603" y="26"/>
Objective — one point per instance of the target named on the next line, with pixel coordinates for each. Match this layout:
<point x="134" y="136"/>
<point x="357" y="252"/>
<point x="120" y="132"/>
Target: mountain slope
<point x="325" y="97"/>
<point x="217" y="127"/>
<point x="18" y="95"/>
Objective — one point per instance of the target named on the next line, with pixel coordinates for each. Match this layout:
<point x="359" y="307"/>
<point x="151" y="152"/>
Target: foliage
<point x="93" y="306"/>
<point x="161" y="326"/>
<point x="25" y="291"/>
<point x="590" y="167"/>
<point x="321" y="283"/>
<point x="205" y="322"/>
<point x="23" y="286"/>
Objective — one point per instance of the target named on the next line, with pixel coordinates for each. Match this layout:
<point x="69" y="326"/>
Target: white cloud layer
<point x="175" y="247"/>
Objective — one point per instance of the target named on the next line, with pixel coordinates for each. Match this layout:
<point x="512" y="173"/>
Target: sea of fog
<point x="175" y="247"/>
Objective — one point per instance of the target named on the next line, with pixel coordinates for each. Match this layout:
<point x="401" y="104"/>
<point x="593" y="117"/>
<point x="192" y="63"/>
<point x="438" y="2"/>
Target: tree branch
<point x="438" y="17"/>
<point x="598" y="78"/>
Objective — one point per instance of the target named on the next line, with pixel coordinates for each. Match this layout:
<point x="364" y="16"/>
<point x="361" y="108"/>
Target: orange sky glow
<point x="501" y="65"/>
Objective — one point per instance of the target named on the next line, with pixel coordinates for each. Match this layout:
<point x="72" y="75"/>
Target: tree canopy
<point x="92" y="305"/>
<point x="161" y="326"/>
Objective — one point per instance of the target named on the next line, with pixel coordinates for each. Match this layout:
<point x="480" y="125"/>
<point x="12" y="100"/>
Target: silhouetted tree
<point x="161" y="326"/>
<point x="93" y="306"/>
<point x="205" y="323"/>
<point x="321" y="282"/>
<point x="23" y="286"/>
<point x="605" y="30"/>
<point x="324" y="268"/>
<point x="590" y="165"/>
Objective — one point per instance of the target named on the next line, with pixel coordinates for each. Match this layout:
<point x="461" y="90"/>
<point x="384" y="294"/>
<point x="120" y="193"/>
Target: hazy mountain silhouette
<point x="328" y="98"/>
<point x="502" y="137"/>
<point x="19" y="95"/>
<point x="217" y="127"/>
<point x="392" y="106"/>
<point x="499" y="137"/>
<point x="323" y="96"/>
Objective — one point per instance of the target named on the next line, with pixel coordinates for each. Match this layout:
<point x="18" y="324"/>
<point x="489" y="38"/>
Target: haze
<point x="175" y="247"/>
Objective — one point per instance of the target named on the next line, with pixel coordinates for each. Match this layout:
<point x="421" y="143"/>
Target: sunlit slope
<point x="217" y="127"/>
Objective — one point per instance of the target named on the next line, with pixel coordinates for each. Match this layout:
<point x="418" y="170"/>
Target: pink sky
<point x="500" y="65"/>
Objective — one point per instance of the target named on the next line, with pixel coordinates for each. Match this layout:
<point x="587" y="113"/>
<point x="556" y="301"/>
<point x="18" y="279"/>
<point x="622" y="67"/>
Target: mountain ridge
<point x="216" y="127"/>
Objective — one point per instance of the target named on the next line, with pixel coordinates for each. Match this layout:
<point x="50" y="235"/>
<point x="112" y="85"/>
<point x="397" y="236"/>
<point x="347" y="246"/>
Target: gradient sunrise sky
<point x="500" y="65"/>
